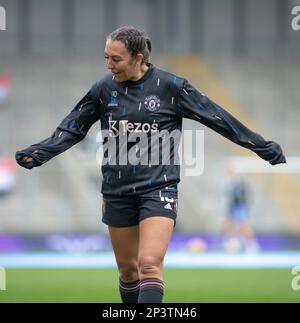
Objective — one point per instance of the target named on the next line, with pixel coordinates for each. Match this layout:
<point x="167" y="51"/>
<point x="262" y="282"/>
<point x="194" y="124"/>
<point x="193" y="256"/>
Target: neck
<point x="141" y="72"/>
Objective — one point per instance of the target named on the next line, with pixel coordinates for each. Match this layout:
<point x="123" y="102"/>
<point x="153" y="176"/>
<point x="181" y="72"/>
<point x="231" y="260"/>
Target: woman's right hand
<point x="26" y="159"/>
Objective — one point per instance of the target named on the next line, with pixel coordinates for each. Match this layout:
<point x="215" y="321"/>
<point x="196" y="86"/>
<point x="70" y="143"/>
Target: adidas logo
<point x="168" y="206"/>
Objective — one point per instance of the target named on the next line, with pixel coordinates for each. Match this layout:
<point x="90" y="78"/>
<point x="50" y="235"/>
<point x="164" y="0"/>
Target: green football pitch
<point x="181" y="285"/>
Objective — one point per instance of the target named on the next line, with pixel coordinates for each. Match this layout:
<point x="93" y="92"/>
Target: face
<point x="120" y="62"/>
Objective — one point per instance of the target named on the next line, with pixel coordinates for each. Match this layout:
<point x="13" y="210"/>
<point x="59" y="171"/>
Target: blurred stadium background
<point x="243" y="54"/>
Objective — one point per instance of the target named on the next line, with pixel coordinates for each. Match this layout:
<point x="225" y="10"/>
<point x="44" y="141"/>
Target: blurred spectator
<point x="239" y="235"/>
<point x="7" y="175"/>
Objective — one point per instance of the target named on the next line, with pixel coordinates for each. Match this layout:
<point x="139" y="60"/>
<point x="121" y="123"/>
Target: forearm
<point x="196" y="106"/>
<point x="48" y="148"/>
<point x="238" y="133"/>
<point x="70" y="131"/>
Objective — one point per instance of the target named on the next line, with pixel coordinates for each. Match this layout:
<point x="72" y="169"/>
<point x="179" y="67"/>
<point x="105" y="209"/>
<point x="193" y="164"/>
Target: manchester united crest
<point x="152" y="103"/>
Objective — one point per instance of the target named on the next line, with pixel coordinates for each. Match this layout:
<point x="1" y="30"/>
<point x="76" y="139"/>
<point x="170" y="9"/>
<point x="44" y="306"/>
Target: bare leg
<point x="155" y="235"/>
<point x="125" y="243"/>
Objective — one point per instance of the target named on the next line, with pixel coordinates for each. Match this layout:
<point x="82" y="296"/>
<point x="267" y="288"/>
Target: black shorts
<point x="126" y="211"/>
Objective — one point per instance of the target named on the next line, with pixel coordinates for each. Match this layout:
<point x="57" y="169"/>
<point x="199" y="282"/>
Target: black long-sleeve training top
<point x="155" y="104"/>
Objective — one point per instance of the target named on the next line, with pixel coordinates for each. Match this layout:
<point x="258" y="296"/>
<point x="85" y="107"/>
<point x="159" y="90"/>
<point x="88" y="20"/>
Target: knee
<point x="150" y="266"/>
<point x="128" y="270"/>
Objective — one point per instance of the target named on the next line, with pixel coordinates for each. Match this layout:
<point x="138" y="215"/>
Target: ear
<point x="139" y="58"/>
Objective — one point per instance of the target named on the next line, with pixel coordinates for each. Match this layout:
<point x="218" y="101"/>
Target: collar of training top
<point x="141" y="80"/>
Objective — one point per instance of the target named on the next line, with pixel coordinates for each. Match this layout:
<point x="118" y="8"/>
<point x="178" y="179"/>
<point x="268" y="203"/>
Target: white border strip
<point x="173" y="260"/>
